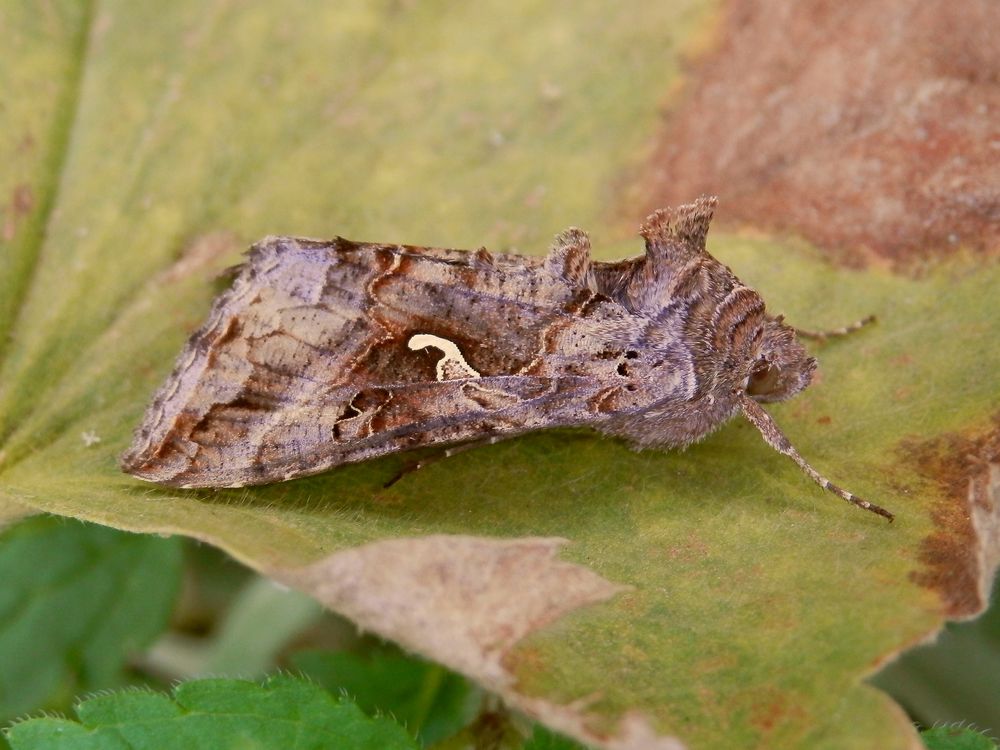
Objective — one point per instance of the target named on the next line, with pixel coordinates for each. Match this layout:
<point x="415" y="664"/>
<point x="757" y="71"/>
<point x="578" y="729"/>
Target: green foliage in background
<point x="220" y="714"/>
<point x="76" y="602"/>
<point x="431" y="702"/>
<point x="956" y="738"/>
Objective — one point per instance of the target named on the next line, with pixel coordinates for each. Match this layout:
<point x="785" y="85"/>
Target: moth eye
<point x="763" y="380"/>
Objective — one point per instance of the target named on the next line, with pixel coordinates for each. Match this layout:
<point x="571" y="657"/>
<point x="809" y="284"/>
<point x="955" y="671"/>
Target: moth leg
<point x="440" y="455"/>
<point x="835" y="332"/>
<point x="775" y="438"/>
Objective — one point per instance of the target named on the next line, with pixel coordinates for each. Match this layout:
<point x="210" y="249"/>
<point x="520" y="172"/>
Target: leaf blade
<point x="219" y="713"/>
<point x="79" y="600"/>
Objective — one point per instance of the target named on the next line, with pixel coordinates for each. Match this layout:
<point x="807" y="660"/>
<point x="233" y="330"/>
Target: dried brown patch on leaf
<point x="465" y="601"/>
<point x="961" y="556"/>
<point x="461" y="600"/>
<point x="872" y="127"/>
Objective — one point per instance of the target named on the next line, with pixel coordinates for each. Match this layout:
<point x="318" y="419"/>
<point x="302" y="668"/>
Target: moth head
<point x="782" y="367"/>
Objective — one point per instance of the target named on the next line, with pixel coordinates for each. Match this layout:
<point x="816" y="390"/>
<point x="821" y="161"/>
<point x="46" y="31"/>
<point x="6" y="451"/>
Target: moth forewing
<point x="324" y="353"/>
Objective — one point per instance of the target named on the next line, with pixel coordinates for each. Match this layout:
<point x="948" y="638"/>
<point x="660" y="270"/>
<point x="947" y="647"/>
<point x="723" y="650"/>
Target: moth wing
<point x="360" y="423"/>
<point x="308" y="362"/>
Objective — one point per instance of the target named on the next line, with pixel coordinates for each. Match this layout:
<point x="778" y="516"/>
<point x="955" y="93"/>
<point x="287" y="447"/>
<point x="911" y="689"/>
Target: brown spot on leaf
<point x="960" y="556"/>
<point x="871" y="127"/>
<point x="693" y="549"/>
<point x="772" y="709"/>
<point x="903" y="360"/>
<point x="22" y="200"/>
<point x="903" y="393"/>
<point x="716" y="663"/>
<point x="26" y="144"/>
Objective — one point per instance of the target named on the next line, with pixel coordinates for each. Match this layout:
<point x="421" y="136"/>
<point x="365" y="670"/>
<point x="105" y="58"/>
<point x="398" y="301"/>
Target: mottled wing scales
<point x="328" y="353"/>
<point x="677" y="234"/>
<point x="675" y="254"/>
<point x="365" y="423"/>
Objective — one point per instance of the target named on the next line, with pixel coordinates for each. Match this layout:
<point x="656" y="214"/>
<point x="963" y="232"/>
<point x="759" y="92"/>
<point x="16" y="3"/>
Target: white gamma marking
<point x="452" y="356"/>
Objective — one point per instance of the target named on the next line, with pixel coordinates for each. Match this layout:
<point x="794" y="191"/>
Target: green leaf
<point x="712" y="595"/>
<point x="431" y="702"/>
<point x="956" y="738"/>
<point x="542" y="739"/>
<point x="220" y="714"/>
<point x="76" y="602"/>
<point x="44" y="61"/>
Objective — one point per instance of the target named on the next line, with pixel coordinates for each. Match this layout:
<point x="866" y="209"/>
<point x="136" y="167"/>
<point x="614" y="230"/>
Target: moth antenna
<point x="772" y="434"/>
<point x="835" y="332"/>
<point x="569" y="258"/>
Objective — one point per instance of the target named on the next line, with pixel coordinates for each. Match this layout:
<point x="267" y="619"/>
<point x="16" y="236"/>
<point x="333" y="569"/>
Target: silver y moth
<point x="325" y="353"/>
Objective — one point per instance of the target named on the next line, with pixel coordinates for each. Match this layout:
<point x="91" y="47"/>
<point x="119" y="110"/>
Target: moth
<point x="325" y="353"/>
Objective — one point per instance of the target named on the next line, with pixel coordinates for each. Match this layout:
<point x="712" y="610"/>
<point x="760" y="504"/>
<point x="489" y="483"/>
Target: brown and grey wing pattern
<point x="325" y="353"/>
<point x="308" y="361"/>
